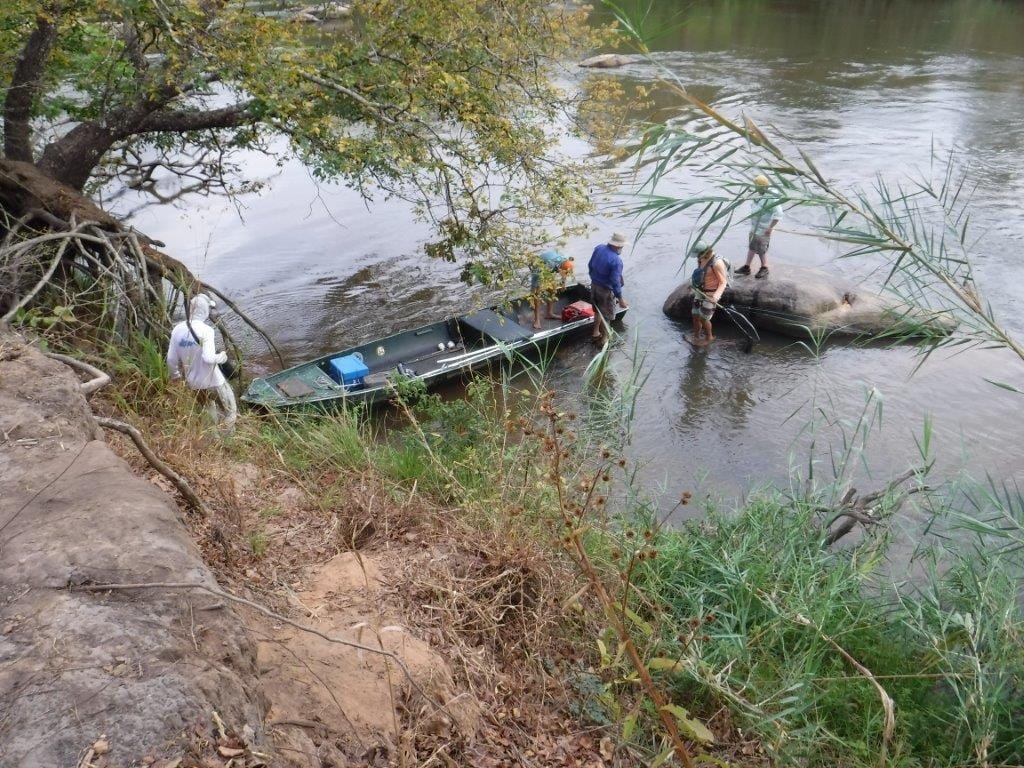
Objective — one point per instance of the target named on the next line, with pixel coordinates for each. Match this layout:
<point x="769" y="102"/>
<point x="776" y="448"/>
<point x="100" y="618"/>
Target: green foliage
<point x="744" y="609"/>
<point x="452" y="105"/>
<point x="45" y="318"/>
<point x="258" y="543"/>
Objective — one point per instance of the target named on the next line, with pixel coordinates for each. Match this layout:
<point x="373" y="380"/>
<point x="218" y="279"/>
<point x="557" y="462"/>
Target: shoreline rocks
<point x="798" y="301"/>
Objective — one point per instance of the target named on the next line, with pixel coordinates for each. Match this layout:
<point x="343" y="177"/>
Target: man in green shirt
<point x="765" y="214"/>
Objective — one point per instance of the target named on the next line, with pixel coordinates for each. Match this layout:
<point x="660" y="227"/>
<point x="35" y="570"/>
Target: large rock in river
<point x="606" y="61"/>
<point x="797" y="300"/>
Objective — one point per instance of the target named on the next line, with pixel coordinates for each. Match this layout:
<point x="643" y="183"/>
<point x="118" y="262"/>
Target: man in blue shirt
<point x="606" y="282"/>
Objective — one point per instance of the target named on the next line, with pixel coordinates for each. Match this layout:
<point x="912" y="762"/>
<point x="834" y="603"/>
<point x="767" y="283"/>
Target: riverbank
<point x="500" y="549"/>
<point x="379" y="626"/>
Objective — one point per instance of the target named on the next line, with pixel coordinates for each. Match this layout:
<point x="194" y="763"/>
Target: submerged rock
<point x="607" y="61"/>
<point x="798" y="301"/>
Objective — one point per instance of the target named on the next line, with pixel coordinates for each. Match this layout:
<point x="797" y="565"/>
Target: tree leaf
<point x="691" y="727"/>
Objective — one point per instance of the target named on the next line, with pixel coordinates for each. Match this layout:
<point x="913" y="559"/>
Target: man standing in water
<point x="192" y="353"/>
<point x="765" y="213"/>
<point x="606" y="283"/>
<point x="709" y="282"/>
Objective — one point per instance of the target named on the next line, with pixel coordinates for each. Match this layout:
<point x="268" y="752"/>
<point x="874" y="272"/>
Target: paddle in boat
<point x="432" y="353"/>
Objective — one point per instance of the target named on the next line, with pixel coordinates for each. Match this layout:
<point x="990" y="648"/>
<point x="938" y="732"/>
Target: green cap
<point x="699" y="247"/>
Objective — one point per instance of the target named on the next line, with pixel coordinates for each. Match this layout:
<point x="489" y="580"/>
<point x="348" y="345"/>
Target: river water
<point x="867" y="87"/>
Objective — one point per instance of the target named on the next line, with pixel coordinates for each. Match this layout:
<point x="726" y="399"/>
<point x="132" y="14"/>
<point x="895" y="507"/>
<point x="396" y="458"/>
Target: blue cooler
<point x="349" y="370"/>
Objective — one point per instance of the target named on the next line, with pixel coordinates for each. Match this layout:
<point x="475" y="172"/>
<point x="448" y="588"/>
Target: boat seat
<point x="295" y="387"/>
<point x="498" y="327"/>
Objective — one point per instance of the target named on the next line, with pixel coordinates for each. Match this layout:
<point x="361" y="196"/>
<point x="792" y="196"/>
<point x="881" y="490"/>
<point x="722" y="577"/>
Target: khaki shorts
<point x="704" y="309"/>
<point x="604" y="301"/>
<point x="759" y="244"/>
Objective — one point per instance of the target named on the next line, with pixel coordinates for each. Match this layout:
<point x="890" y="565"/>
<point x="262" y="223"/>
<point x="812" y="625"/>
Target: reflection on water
<point x="866" y="86"/>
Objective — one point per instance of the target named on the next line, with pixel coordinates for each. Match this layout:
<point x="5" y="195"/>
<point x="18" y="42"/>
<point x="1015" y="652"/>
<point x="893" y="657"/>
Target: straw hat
<point x="618" y="240"/>
<point x="761" y="181"/>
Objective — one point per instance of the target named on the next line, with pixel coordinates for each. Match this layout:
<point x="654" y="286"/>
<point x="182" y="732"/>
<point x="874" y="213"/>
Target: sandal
<point x="744" y="270"/>
<point x="762" y="272"/>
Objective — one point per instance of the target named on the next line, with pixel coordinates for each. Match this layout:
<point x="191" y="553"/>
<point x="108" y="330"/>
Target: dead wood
<point x="99" y="378"/>
<point x="853" y="509"/>
<point x="179" y="482"/>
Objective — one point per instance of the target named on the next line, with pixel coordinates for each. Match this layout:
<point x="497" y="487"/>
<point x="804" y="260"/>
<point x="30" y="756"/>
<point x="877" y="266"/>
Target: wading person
<point x="765" y="214"/>
<point x="606" y="283"/>
<point x="708" y="281"/>
<point x="541" y="283"/>
<point x="192" y="354"/>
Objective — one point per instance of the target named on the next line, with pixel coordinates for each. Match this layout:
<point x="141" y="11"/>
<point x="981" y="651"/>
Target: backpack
<point x="697" y="278"/>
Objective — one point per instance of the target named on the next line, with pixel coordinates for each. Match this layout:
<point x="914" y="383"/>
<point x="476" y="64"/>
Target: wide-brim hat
<point x="618" y="240"/>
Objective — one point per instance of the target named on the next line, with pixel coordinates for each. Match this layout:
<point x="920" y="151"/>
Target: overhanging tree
<point x="451" y="104"/>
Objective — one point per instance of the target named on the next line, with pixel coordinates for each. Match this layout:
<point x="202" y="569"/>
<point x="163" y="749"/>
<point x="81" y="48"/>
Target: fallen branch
<point x="99" y="378"/>
<point x="853" y="509"/>
<point x="179" y="482"/>
<point x="269" y="614"/>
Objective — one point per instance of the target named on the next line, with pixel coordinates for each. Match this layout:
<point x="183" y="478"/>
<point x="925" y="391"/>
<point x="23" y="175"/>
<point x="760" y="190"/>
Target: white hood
<point x="200" y="308"/>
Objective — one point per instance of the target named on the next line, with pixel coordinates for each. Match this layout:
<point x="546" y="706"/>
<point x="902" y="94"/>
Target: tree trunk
<point x="72" y="158"/>
<point x="24" y="86"/>
<point x="24" y="189"/>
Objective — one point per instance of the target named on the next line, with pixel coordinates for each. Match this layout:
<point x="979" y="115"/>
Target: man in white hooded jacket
<point x="192" y="353"/>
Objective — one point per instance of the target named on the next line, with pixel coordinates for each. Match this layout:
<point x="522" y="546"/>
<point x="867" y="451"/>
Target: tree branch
<point x="182" y="120"/>
<point x="179" y="482"/>
<point x="376" y="109"/>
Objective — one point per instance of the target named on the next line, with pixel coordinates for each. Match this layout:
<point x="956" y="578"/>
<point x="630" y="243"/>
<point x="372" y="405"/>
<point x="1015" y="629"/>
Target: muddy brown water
<point x="867" y="87"/>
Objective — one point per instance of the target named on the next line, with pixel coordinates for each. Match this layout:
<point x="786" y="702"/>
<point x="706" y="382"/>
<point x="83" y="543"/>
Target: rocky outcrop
<point x="797" y="300"/>
<point x="607" y="61"/>
<point x="145" y="669"/>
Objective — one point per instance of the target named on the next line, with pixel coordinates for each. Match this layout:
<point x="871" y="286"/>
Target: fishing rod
<point x="753" y="337"/>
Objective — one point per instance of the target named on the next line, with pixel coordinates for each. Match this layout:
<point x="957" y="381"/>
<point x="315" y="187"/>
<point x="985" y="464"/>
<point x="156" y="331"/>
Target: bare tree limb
<point x="853" y="509"/>
<point x="270" y="614"/>
<point x="99" y="378"/>
<point x="183" y="120"/>
<point x="179" y="482"/>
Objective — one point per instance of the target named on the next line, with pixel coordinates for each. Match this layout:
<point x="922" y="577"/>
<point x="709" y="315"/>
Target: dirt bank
<point x="396" y="635"/>
<point x="147" y="670"/>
